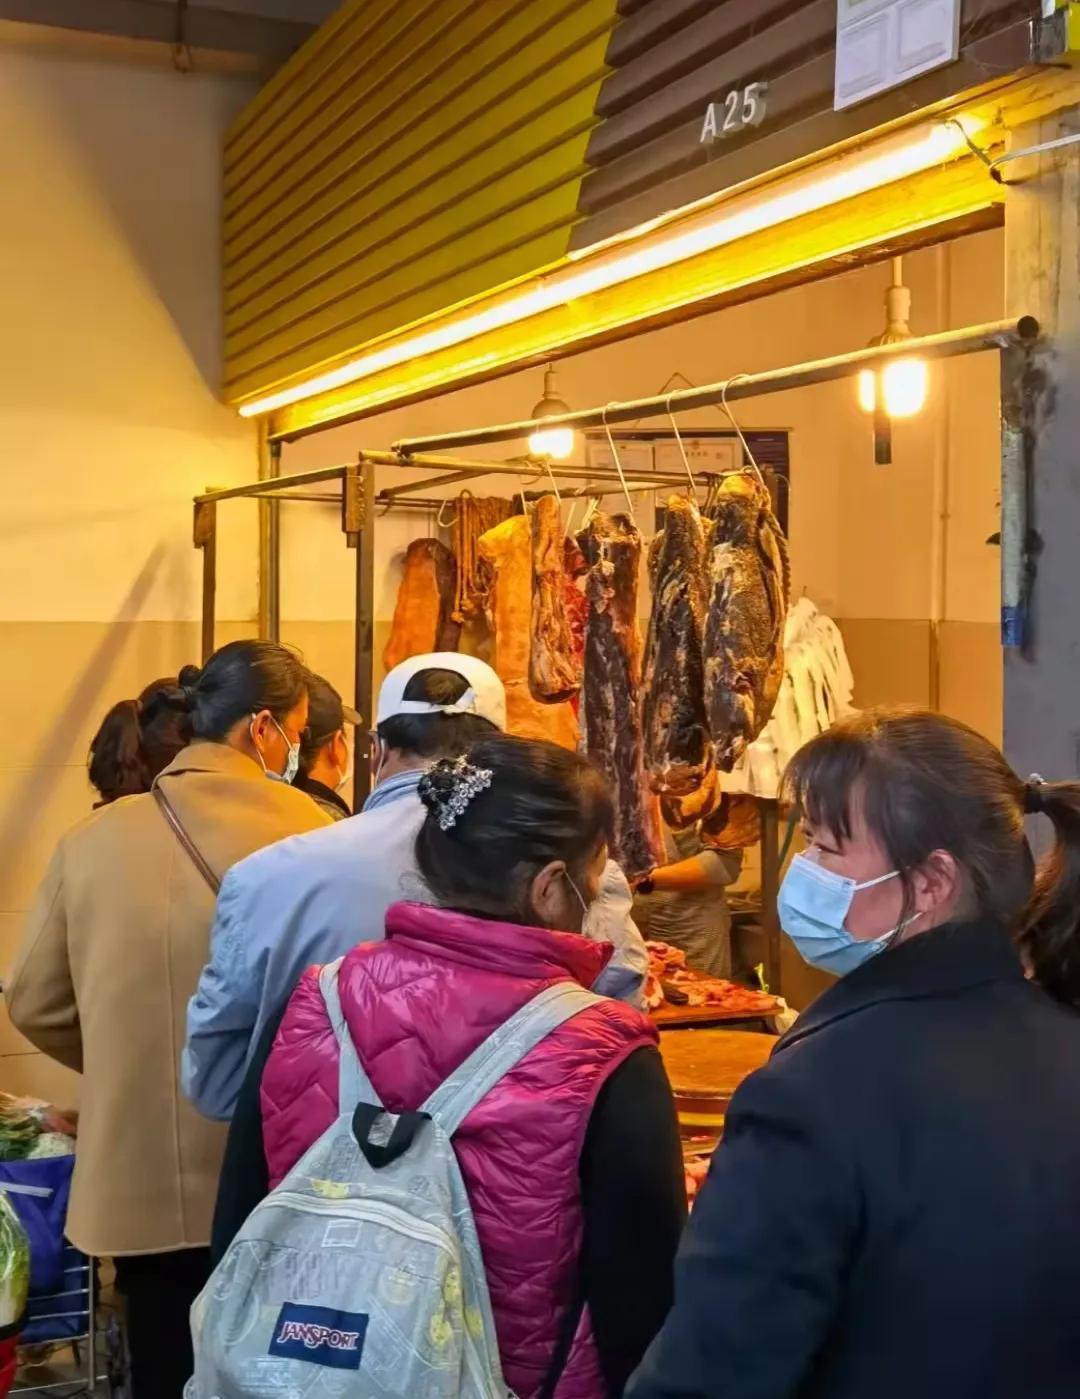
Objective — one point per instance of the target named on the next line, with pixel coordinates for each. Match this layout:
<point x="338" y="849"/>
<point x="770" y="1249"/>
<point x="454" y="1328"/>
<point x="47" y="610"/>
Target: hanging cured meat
<point x="612" y="550"/>
<point x="425" y="600"/>
<point x="506" y="553"/>
<point x="555" y="662"/>
<point x="577" y="607"/>
<point x="744" y="635"/>
<point x="678" y="748"/>
<point x="681" y="812"/>
<point x="473" y="517"/>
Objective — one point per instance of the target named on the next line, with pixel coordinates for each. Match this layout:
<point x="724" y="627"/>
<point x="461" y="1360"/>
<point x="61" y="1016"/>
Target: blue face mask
<point x="813" y="907"/>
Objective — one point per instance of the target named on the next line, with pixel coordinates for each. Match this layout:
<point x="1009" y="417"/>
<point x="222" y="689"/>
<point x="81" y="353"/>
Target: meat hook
<point x="618" y="464"/>
<point x="682" y="449"/>
<point x="731" y="419"/>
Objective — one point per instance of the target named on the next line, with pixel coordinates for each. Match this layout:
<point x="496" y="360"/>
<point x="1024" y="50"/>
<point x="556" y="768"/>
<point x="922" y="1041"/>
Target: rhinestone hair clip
<point x="468" y="782"/>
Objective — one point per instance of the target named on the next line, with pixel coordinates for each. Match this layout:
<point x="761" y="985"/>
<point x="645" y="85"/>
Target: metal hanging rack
<point x="1017" y="342"/>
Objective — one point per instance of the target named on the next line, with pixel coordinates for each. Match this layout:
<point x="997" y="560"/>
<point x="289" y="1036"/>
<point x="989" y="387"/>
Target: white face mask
<point x="382" y="759"/>
<point x="292" y="762"/>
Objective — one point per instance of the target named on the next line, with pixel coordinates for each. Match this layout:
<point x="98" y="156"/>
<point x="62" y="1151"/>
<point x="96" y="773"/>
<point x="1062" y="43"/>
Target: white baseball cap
<point x="485" y="697"/>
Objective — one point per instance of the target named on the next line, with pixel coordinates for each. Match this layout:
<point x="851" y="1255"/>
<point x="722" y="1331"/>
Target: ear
<point x="547" y="894"/>
<point x="339" y="750"/>
<point x="260" y="724"/>
<point x="936" y="883"/>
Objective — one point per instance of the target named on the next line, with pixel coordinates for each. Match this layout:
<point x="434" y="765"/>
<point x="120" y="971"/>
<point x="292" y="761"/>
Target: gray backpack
<point x="360" y="1276"/>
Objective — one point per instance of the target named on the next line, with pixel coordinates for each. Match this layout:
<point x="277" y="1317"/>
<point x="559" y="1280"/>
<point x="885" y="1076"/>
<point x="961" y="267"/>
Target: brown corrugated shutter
<point x="414" y="154"/>
<point x="671" y="58"/>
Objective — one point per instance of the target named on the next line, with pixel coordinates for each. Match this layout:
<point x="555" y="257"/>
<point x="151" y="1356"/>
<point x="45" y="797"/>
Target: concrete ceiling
<point x="249" y="34"/>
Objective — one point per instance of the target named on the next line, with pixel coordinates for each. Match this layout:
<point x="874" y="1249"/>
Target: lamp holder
<point x="551" y="405"/>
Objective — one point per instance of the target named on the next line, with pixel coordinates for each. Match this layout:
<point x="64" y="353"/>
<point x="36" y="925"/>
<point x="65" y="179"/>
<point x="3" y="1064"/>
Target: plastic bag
<point x="14" y="1267"/>
<point x="38" y="1193"/>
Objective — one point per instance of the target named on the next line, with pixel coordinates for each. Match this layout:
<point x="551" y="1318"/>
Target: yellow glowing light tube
<point x="890" y="159"/>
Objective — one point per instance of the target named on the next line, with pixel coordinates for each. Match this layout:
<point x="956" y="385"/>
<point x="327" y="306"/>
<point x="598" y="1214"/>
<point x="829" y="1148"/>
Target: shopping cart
<point x="71" y="1344"/>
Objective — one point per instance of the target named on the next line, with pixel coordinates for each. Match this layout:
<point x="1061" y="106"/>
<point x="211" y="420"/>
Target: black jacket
<point x="895" y="1210"/>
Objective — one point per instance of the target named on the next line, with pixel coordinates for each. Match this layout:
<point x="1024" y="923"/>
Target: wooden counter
<point x="705" y="1068"/>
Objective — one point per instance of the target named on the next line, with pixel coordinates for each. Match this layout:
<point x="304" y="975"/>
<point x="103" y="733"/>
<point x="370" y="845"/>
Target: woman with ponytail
<point x="112" y="952"/>
<point x="895" y="1207"/>
<point x="137" y="740"/>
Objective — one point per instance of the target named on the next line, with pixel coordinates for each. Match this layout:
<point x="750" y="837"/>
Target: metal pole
<point x="1018" y="543"/>
<point x="358" y="522"/>
<point x="466" y="470"/>
<point x="994" y="335"/>
<point x="204" y="534"/>
<point x="282" y="483"/>
<point x="273" y="551"/>
<point x="263" y="490"/>
<point x="770" y="891"/>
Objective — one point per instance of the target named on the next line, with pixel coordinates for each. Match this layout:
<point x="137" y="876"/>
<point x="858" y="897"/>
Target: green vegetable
<point x="14" y="1264"/>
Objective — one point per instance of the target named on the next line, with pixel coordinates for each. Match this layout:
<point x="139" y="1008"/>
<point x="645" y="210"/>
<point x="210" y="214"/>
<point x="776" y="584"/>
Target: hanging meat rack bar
<point x="1017" y="342"/>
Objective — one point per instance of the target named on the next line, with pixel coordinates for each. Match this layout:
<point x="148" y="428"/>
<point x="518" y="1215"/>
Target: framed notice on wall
<point x="709" y="454"/>
<point x="883" y="43"/>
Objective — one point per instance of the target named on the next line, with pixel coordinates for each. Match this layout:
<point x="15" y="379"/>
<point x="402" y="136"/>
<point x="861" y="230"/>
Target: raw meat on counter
<point x="670" y="978"/>
<point x="612" y="717"/>
<point x="694" y="1172"/>
<point x="555" y="662"/>
<point x="425" y="600"/>
<point x="744" y="635"/>
<point x="506" y="552"/>
<point x="678" y="748"/>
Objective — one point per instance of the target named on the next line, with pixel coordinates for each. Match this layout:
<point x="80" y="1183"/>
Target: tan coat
<point x="111" y="954"/>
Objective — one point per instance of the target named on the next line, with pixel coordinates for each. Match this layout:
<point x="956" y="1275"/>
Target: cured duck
<point x="748" y="583"/>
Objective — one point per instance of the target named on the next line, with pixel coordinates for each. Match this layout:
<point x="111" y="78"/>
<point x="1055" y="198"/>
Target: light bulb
<point x="556" y="442"/>
<point x="904" y="383"/>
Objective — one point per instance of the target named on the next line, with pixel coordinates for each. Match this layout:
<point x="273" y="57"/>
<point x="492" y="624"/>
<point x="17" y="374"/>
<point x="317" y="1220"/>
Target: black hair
<point x="925" y="782"/>
<point x="542" y="803"/>
<point x="135" y="742"/>
<point x="326" y="717"/>
<point x="434" y="735"/>
<point x="240" y="679"/>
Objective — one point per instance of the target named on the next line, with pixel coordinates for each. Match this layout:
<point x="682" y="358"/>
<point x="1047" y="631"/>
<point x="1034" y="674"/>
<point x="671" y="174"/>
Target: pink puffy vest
<point x="417" y="1005"/>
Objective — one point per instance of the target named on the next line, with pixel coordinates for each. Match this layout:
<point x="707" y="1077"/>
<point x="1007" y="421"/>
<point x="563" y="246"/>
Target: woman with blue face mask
<point x="895" y="1207"/>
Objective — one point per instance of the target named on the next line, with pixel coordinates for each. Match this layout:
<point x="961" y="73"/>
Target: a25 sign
<point x="741" y="108"/>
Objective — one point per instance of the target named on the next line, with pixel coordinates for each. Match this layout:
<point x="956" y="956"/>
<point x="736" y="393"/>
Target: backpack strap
<point x="503" y="1050"/>
<point x="354" y="1086"/>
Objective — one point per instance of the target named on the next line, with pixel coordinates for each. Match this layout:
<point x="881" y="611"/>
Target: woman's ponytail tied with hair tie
<point x="449" y="785"/>
<point x="187" y="680"/>
<point x="1034" y="795"/>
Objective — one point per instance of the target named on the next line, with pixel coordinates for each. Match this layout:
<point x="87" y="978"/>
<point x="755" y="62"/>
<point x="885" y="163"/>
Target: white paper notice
<point x="883" y="43"/>
<point x="703" y="454"/>
<point x="635" y="458"/>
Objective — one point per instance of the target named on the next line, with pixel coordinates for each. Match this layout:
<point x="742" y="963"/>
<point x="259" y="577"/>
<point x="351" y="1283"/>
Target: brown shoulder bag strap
<point x="185" y="840"/>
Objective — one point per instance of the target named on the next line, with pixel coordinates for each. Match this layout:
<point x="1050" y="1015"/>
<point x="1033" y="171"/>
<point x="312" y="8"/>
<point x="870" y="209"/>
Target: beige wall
<point x="110" y="304"/>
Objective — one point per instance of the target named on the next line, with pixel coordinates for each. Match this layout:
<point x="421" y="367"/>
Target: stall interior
<point x="897" y="556"/>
